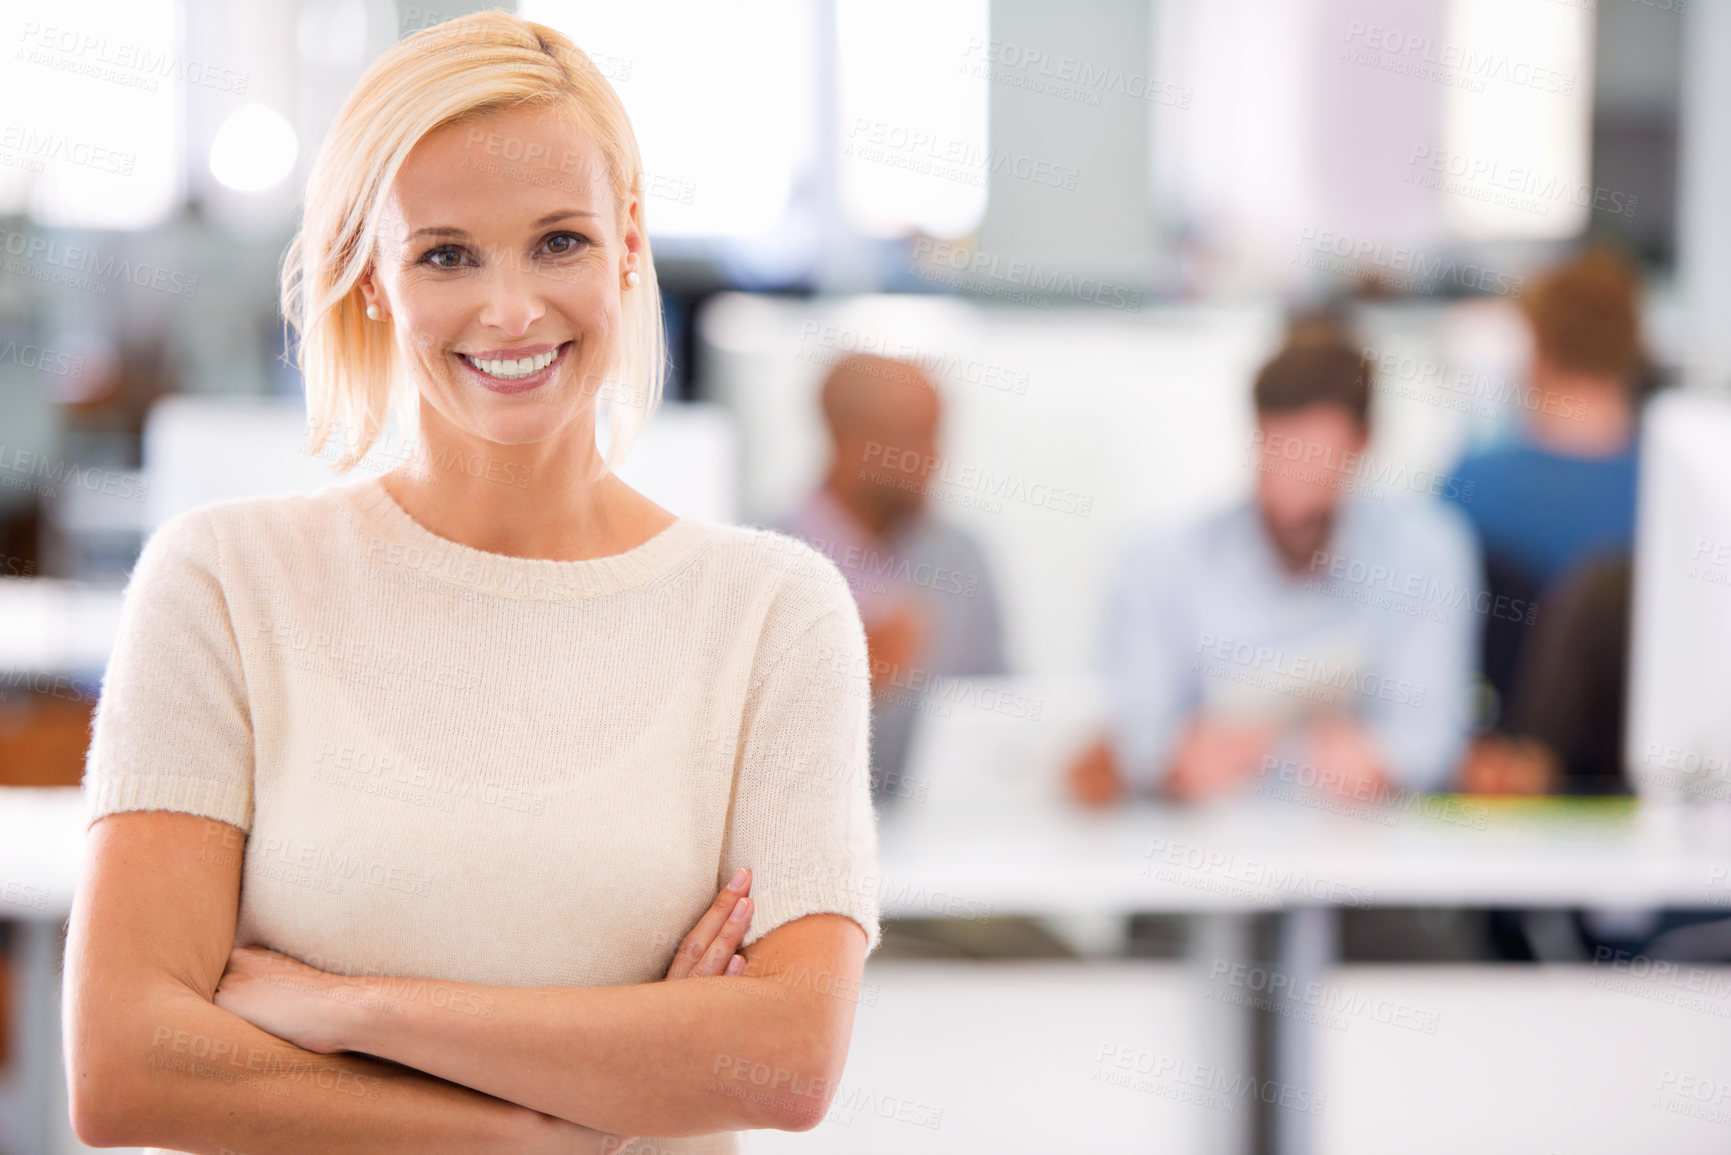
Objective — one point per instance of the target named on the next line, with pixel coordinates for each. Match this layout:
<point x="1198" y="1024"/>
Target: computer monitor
<point x="1679" y="706"/>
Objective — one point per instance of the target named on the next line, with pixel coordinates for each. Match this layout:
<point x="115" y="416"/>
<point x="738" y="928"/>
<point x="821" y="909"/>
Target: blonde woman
<point x="407" y="796"/>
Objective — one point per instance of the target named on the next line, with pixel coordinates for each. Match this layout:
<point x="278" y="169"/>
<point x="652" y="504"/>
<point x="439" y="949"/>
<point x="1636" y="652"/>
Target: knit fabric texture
<point x="462" y="765"/>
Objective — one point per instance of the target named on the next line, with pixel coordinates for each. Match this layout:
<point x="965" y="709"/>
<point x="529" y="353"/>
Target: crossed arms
<point x="175" y="1038"/>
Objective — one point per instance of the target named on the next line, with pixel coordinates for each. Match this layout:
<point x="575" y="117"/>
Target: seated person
<point x="1324" y="621"/>
<point x="1563" y="493"/>
<point x="1563" y="730"/>
<point x="923" y="587"/>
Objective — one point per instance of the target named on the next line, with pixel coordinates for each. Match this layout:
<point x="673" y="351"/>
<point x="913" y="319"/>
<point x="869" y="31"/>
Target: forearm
<point x="177" y="1071"/>
<point x="668" y="1059"/>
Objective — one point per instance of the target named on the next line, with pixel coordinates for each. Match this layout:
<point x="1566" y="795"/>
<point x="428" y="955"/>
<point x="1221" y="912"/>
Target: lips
<point x="515" y="370"/>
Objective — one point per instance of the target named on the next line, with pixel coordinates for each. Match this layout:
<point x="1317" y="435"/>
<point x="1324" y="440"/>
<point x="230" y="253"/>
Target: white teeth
<point x="513" y="370"/>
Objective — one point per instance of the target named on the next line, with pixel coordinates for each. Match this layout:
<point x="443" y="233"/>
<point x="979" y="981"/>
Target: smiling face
<point x="502" y="278"/>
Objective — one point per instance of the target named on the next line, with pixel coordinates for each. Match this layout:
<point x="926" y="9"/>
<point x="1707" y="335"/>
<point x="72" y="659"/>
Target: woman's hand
<point x="709" y="949"/>
<point x="286" y="998"/>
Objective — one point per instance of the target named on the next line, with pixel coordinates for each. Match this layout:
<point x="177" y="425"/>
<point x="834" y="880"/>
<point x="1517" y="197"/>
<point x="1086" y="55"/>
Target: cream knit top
<point x="461" y="765"/>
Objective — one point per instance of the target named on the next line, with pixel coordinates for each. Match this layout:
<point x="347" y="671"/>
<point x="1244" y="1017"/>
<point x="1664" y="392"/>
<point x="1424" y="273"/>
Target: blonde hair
<point x="465" y="68"/>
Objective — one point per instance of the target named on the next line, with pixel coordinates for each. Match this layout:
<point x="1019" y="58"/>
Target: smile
<point x="516" y="373"/>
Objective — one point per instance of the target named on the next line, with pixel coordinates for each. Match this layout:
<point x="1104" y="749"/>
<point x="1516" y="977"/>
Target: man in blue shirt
<point x="1552" y="509"/>
<point x="1321" y="633"/>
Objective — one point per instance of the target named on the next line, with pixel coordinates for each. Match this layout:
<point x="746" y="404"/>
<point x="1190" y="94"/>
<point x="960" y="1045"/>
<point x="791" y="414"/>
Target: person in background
<point x="1555" y="515"/>
<point x="1564" y="491"/>
<point x="1321" y="631"/>
<point x="923" y="586"/>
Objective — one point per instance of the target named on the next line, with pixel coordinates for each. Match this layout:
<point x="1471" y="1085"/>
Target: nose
<point x="513" y="301"/>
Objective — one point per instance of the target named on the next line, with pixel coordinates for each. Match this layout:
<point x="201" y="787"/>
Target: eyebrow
<point x="452" y="231"/>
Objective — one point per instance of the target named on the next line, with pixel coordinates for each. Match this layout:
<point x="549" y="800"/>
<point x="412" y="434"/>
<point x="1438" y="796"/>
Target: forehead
<point x="1324" y="422"/>
<point x="500" y="170"/>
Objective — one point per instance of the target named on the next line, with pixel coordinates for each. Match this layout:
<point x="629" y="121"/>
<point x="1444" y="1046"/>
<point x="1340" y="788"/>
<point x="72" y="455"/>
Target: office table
<point x="1217" y="866"/>
<point x="1303" y="857"/>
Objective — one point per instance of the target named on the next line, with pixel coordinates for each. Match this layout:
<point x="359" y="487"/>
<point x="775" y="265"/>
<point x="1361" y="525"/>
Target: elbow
<point x="98" y="1097"/>
<point x="810" y="1088"/>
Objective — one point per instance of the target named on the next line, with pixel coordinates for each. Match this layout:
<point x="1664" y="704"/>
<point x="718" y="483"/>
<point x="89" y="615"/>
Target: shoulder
<point x="800" y="580"/>
<point x="1431" y="530"/>
<point x="801" y="602"/>
<point x="218" y="534"/>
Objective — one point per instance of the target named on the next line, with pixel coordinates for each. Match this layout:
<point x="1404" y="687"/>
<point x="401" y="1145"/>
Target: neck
<point x="535" y="500"/>
<point x="1296" y="557"/>
<point x="1581" y="416"/>
<point x="877" y="519"/>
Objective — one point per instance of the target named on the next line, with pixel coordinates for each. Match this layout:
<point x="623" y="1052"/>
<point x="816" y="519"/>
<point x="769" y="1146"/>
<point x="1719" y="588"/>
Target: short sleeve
<point x="802" y="816"/>
<point x="172" y="729"/>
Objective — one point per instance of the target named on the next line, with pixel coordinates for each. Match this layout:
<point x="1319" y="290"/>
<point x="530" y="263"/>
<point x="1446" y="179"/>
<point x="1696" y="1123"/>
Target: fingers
<point x="720" y="953"/>
<point x="695" y="947"/>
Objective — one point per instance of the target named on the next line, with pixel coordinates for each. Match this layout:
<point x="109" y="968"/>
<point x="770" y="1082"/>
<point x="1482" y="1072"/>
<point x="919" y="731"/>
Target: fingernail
<point x="736" y="964"/>
<point x="738" y="882"/>
<point x="741" y="910"/>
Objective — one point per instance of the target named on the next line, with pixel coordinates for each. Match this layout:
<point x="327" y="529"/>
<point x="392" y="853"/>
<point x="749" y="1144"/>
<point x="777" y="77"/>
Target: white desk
<point x="1222" y="865"/>
<point x="1271" y="855"/>
<point x="1243" y="859"/>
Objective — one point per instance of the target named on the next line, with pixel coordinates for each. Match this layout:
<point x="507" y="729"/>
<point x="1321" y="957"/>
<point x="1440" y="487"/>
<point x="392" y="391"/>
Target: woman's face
<point x="500" y="263"/>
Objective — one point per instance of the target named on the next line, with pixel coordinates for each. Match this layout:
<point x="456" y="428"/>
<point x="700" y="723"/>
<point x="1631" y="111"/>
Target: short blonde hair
<point x="466" y="68"/>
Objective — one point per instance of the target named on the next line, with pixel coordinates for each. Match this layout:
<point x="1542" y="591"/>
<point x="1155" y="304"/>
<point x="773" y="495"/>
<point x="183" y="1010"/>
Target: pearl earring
<point x="372" y="312"/>
<point x="631" y="278"/>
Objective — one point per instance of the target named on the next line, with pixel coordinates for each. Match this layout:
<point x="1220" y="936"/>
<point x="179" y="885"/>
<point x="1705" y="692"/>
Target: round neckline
<point x="520" y="578"/>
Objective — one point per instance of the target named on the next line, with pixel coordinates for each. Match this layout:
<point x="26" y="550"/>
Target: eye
<point x="564" y="244"/>
<point x="443" y="257"/>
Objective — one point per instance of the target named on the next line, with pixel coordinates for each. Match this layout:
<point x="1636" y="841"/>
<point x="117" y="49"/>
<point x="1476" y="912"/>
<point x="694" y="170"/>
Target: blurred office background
<point x="1089" y="224"/>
